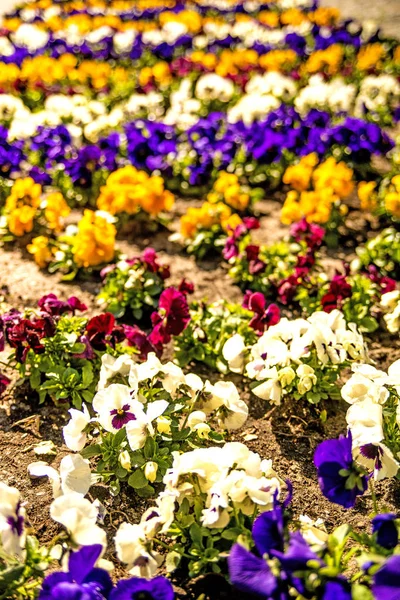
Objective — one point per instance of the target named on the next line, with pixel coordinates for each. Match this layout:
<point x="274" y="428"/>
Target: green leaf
<point x="137" y="480"/>
<point x="360" y="592"/>
<point x="196" y="534"/>
<point x="93" y="450"/>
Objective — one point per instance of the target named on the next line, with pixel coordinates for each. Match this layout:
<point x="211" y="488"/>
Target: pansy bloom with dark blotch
<point x="252" y="574"/>
<point x="143" y="589"/>
<point x="4" y="383"/>
<point x="150" y="258"/>
<point x="172" y="316"/>
<point x="310" y="233"/>
<point x="55" y="307"/>
<point x="256" y="265"/>
<point x="339" y="478"/>
<point x="385" y="528"/>
<point x="263" y="317"/>
<point x="137" y="338"/>
<point x="386" y="581"/>
<point x="82" y="580"/>
<point x="339" y="290"/>
<point x="101" y="331"/>
<point x="27" y="334"/>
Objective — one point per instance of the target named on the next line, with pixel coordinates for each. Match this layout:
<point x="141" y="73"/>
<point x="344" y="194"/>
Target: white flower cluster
<point x="116" y="404"/>
<point x="390" y="304"/>
<point x="377" y="93"/>
<point x="226" y="480"/>
<point x="281" y="355"/>
<point x="335" y="95"/>
<point x="374" y="409"/>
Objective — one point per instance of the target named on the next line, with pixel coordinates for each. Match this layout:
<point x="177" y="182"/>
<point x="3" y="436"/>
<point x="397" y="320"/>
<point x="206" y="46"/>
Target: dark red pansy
<point x="101" y="331"/>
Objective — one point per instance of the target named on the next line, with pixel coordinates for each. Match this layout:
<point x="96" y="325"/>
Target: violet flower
<point x="82" y="581"/>
<point x="137" y="588"/>
<point x="338" y="476"/>
<point x="386" y="581"/>
<point x="385" y="528"/>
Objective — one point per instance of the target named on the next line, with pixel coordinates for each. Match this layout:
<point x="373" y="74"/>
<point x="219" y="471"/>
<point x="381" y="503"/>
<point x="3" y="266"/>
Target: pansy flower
<point x="82" y="580"/>
<point x="340" y="480"/>
<point x="102" y="331"/>
<point x="172" y="316"/>
<point x="263" y="317"/>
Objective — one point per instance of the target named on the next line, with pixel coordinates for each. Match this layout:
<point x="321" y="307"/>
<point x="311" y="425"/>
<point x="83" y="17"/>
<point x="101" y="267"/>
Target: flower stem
<point x="373" y="495"/>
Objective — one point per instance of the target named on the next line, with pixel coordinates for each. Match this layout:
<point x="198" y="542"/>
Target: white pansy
<point x="30" y="36"/>
<point x="359" y="388"/>
<point x="233" y="352"/>
<point x="253" y="107"/>
<point x="79" y="516"/>
<point x="74" y="475"/>
<point x="130" y="546"/>
<point x="214" y="87"/>
<point x="115" y="407"/>
<point x="379" y="459"/>
<point x="141" y="427"/>
<point x="112" y="367"/>
<point x="314" y="532"/>
<point x="365" y="421"/>
<point x="74" y="432"/>
<point x="12" y="535"/>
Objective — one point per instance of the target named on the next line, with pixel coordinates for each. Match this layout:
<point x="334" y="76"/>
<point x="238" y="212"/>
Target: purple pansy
<point x="137" y="589"/>
<point x="82" y="581"/>
<point x="339" y="478"/>
<point x="385" y="528"/>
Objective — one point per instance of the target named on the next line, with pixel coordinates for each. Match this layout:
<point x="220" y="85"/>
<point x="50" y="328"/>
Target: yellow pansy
<point x="367" y="195"/>
<point x="337" y="176"/>
<point x="299" y="176"/>
<point x="20" y="220"/>
<point x="94" y="244"/>
<point x="326" y="61"/>
<point x="55" y="210"/>
<point x="40" y="250"/>
<point x="370" y="56"/>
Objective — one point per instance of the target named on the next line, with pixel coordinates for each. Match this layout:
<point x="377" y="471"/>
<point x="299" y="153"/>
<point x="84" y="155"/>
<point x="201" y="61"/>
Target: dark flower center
<point x="121" y="416"/>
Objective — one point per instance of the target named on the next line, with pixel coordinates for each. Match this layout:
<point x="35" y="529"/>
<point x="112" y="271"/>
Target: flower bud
<point x="150" y="471"/>
<point x="163" y="425"/>
<point x="196" y="417"/>
<point x="125" y="460"/>
<point x="202" y="430"/>
<point x="286" y="376"/>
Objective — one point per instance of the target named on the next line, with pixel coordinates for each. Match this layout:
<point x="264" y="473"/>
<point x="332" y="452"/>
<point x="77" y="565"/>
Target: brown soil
<point x="288" y="434"/>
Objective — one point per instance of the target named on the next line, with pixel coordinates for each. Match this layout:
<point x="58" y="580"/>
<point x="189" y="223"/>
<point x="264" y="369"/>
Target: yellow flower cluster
<point x="129" y="190"/>
<point x="21" y="206"/>
<point x="327" y="61"/>
<point x="94" y="243"/>
<point x="55" y="210"/>
<point x="233" y="62"/>
<point x="392" y="197"/>
<point x="47" y="70"/>
<point x="24" y="207"/>
<point x="367" y="195"/>
<point x="228" y="189"/>
<point x="370" y="57"/>
<point x="41" y="250"/>
<point x="207" y="216"/>
<point x="160" y="74"/>
<point x="331" y="182"/>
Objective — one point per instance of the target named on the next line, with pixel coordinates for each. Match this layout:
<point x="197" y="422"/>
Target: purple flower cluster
<point x="84" y="581"/>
